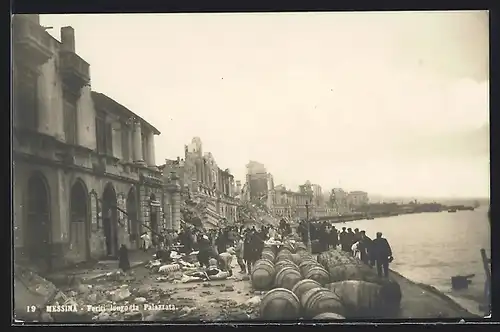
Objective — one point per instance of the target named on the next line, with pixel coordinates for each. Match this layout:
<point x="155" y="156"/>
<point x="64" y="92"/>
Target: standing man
<point x="334" y="237"/>
<point x="344" y="241"/>
<point x="382" y="254"/>
<point x="365" y="244"/>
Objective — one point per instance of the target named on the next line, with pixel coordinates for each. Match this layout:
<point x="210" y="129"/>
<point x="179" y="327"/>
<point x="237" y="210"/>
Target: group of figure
<point x="375" y="253"/>
<point x="220" y="245"/>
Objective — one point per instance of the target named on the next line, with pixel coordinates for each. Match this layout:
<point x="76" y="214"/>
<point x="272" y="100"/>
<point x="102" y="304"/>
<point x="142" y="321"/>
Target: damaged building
<point x="200" y="178"/>
<point x="85" y="178"/>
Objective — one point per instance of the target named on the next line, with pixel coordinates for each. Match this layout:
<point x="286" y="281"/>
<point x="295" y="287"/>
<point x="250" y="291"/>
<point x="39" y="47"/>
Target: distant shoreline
<point x="385" y="214"/>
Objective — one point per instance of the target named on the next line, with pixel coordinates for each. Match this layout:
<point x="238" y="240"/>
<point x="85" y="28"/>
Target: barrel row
<point x="363" y="293"/>
<point x="307" y="300"/>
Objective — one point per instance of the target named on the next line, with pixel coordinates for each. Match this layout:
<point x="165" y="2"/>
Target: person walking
<point x="382" y="254"/>
<point x="249" y="250"/>
<point x="146" y="241"/>
<point x="123" y="261"/>
<point x="240" y="253"/>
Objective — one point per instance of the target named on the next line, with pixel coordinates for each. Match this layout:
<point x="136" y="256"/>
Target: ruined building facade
<point x="85" y="179"/>
<point x="201" y="177"/>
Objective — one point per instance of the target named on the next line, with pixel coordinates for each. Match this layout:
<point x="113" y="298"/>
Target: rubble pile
<point x="334" y="286"/>
<point x="256" y="213"/>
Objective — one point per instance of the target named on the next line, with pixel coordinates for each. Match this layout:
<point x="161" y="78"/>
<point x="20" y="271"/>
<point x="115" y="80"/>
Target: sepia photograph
<point x="250" y="167"/>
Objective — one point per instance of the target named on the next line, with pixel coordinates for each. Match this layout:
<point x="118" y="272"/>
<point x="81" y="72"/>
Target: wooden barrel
<point x="360" y="299"/>
<point x="303" y="286"/>
<point x="328" y="316"/>
<point x="318" y="274"/>
<point x="285" y="263"/>
<point x="279" y="304"/>
<point x="269" y="250"/>
<point x="296" y="258"/>
<point x="283" y="250"/>
<point x="307" y="265"/>
<point x="319" y="300"/>
<point x="287" y="277"/>
<point x="299" y="246"/>
<point x="268" y="256"/>
<point x="271" y="247"/>
<point x="287" y="246"/>
<point x="282" y="255"/>
<point x="263" y="274"/>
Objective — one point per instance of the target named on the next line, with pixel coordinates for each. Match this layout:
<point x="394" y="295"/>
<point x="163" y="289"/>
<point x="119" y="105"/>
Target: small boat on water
<point x="452" y="210"/>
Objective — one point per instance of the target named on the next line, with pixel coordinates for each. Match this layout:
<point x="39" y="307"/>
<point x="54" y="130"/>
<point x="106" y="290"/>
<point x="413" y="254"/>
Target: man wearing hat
<point x="382" y="254"/>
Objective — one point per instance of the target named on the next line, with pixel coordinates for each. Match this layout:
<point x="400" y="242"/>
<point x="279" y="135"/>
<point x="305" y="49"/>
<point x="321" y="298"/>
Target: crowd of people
<point x="247" y="243"/>
<point x="324" y="236"/>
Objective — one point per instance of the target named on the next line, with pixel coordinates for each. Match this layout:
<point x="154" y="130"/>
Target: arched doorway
<point x="38" y="224"/>
<point x="79" y="226"/>
<point x="110" y="220"/>
<point x="153" y="217"/>
<point x="132" y="218"/>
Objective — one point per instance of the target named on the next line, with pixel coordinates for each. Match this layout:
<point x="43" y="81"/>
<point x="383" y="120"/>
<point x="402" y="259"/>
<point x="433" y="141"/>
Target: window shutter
<point x="109" y="139"/>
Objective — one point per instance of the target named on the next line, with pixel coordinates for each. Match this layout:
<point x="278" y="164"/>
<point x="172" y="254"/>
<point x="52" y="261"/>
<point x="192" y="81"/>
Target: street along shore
<point x="223" y="300"/>
<point x="421" y="301"/>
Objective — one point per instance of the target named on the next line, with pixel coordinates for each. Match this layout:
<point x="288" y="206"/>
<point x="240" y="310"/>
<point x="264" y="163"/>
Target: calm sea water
<point x="430" y="248"/>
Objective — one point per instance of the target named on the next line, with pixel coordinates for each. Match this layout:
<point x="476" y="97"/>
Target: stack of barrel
<point x="300" y="293"/>
<point x="263" y="271"/>
<point x="362" y="292"/>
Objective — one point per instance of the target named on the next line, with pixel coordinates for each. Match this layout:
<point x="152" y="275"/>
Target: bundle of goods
<point x="363" y="293"/>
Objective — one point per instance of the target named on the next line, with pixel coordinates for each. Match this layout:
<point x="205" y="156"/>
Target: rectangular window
<point x="70" y="118"/>
<point x="100" y="132"/>
<point x="125" y="142"/>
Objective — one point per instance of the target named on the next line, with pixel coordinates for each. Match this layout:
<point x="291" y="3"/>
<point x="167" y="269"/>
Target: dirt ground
<point x="141" y="296"/>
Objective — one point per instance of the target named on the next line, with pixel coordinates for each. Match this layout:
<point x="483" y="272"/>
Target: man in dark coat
<point x="258" y="246"/>
<point x="248" y="250"/>
<point x="302" y="230"/>
<point x="221" y="242"/>
<point x="204" y="251"/>
<point x="334" y="237"/>
<point x="382" y="254"/>
<point x="345" y="241"/>
<point x="324" y="238"/>
<point x="123" y="261"/>
<point x="365" y="244"/>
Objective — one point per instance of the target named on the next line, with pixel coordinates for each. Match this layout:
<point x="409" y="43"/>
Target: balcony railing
<point x="75" y="70"/>
<point x="32" y="43"/>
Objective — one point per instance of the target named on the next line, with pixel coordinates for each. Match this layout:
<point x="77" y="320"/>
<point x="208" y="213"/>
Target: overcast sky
<point x="390" y="103"/>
